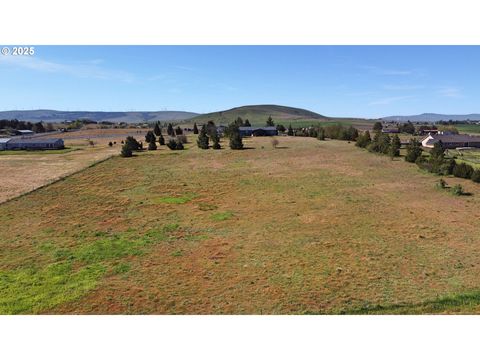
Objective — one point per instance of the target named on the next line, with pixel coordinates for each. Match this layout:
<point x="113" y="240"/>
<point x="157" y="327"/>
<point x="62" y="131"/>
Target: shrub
<point x="152" y="145"/>
<point x="161" y="140"/>
<point x="180" y="145"/>
<point x="178" y="131"/>
<point x="377" y="126"/>
<point x="414" y="151"/>
<point x="463" y="170"/>
<point x="457" y="190"/>
<point x="441" y="184"/>
<point x="172" y="144"/>
<point x="110" y="144"/>
<point x="363" y="140"/>
<point x="290" y="130"/>
<point x="132" y="143"/>
<point x="126" y="151"/>
<point x="476" y="176"/>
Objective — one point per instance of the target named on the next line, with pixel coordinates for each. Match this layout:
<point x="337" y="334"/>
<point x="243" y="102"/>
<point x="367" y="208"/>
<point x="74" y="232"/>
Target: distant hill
<point x="128" y="117"/>
<point x="257" y="114"/>
<point x="431" y="117"/>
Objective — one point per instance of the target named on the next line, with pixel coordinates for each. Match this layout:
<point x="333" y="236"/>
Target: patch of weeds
<point x="63" y="254"/>
<point x="109" y="248"/>
<point x="29" y="291"/>
<point x="222" y="216"/>
<point x="457" y="190"/>
<point x="121" y="268"/>
<point x="207" y="207"/>
<point x="177" y="253"/>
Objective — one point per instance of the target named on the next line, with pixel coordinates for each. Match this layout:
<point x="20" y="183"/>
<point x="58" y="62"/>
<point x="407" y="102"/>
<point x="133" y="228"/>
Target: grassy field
<point x="308" y="228"/>
<point x="468" y="128"/>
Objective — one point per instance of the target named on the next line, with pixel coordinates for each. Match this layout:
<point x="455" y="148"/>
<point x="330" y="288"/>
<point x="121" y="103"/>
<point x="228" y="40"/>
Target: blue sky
<point x="363" y="81"/>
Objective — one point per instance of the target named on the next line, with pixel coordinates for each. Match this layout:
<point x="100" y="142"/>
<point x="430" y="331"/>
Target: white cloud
<point x="86" y="69"/>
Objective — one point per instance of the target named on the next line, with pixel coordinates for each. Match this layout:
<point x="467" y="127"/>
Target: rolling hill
<point x="259" y="114"/>
<point x="432" y="117"/>
<point x="129" y="117"/>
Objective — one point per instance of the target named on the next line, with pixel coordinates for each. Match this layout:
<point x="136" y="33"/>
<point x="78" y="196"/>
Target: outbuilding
<point x="258" y="131"/>
<point x="452" y="141"/>
<point x="32" y="144"/>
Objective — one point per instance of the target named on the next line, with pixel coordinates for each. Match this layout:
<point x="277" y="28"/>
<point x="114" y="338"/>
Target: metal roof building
<point x="31" y="144"/>
<point x="258" y="131"/>
<point x="452" y="141"/>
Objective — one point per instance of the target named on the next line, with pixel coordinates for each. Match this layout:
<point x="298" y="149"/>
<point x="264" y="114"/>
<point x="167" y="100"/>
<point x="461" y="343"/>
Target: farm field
<point x="308" y="228"/>
<point x="29" y="170"/>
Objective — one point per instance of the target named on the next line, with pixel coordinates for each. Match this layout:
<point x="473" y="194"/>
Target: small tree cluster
<point x="175" y="145"/>
<point x="363" y="140"/>
<point x="414" y="151"/>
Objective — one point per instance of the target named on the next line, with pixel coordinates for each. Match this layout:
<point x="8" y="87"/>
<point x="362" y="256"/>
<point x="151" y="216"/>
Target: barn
<point x="451" y="141"/>
<point x="31" y="144"/>
<point x="258" y="131"/>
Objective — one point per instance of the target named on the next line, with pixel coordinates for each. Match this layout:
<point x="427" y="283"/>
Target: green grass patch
<point x="28" y="291"/>
<point x="174" y="199"/>
<point x="177" y="253"/>
<point x="222" y="216"/>
<point x="121" y="268"/>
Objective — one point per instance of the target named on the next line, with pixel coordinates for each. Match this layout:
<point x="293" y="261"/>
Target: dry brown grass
<point x="308" y="227"/>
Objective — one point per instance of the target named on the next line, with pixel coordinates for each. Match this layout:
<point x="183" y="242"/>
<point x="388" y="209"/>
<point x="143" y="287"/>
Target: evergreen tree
<point x="149" y="137"/>
<point x="132" y="143"/>
<point x="170" y="131"/>
<point x="270" y="121"/>
<point x="126" y="151"/>
<point x="195" y="128"/>
<point x="236" y="139"/>
<point x="247" y="123"/>
<point x="290" y="130"/>
<point x="394" y="150"/>
<point x="157" y="131"/>
<point x="152" y="145"/>
<point x="180" y="145"/>
<point x="377" y="126"/>
<point x="216" y="142"/>
<point x="202" y="140"/>
<point x="414" y="151"/>
<point x="172" y="144"/>
<point x="38" y="128"/>
<point x="281" y="128"/>
<point x="437" y="153"/>
<point x="364" y="140"/>
<point x="178" y="131"/>
<point x="161" y="139"/>
<point x="239" y="121"/>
